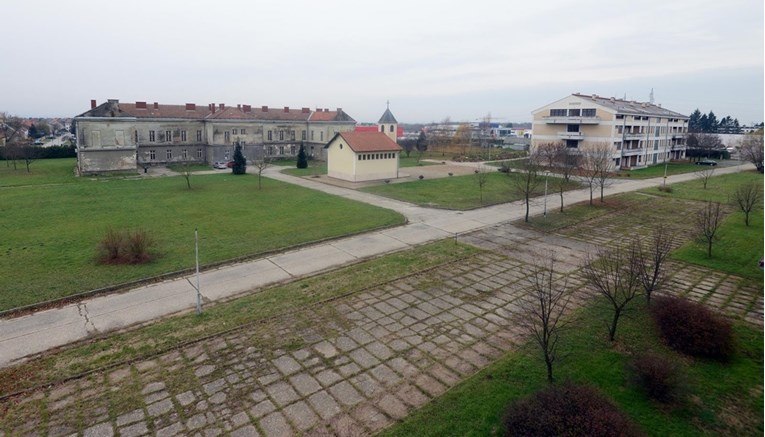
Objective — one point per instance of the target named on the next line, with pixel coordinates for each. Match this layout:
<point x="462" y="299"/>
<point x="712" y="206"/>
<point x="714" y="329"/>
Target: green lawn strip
<point x="457" y="192"/>
<point x="180" y="168"/>
<point x="719" y="188"/>
<point x="571" y="214"/>
<point x="268" y="303"/>
<point x="51" y="233"/>
<point x="713" y="391"/>
<point x="42" y="172"/>
<point x="656" y="171"/>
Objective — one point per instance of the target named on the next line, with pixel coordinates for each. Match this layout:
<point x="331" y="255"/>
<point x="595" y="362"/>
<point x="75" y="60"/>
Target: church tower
<point x="388" y="124"/>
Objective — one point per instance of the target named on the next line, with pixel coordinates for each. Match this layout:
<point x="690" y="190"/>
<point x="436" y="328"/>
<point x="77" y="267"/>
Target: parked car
<point x="706" y="162"/>
<point x="221" y="165"/>
<point x="230" y="164"/>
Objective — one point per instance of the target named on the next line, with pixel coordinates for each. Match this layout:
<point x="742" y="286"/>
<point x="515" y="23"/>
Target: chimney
<point x="191" y="106"/>
<point x="239" y="106"/>
<point x="594" y="96"/>
<point x="306" y="110"/>
<point x="318" y="109"/>
<point x="613" y="100"/>
<point x="326" y="109"/>
<point x="140" y="105"/>
<point x="286" y="109"/>
<point x="156" y="105"/>
<point x="93" y="104"/>
<point x="247" y="108"/>
<point x="264" y="108"/>
<point x="339" y="110"/>
<point x="221" y="106"/>
<point x="212" y="108"/>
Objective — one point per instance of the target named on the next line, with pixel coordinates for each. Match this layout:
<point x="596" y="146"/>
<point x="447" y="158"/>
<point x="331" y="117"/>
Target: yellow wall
<point x="343" y="163"/>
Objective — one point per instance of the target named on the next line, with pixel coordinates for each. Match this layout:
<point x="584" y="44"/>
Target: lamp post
<point x="544" y="214"/>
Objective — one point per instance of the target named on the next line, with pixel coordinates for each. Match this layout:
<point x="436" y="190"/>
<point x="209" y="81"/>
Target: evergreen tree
<point x="302" y="160"/>
<point x="240" y="164"/>
<point x="712" y="123"/>
<point x="703" y="123"/>
<point x="694" y="121"/>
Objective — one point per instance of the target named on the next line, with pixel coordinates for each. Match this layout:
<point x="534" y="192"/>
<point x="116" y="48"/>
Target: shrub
<point x="657" y="375"/>
<point x="567" y="410"/>
<point x="421" y="177"/>
<point x="665" y="188"/>
<point x="302" y="160"/>
<point x="692" y="328"/>
<point x="125" y="247"/>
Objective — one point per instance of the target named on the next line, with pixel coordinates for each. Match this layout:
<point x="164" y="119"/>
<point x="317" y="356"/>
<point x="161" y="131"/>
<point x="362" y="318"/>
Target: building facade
<point x="640" y="133"/>
<point x="118" y="136"/>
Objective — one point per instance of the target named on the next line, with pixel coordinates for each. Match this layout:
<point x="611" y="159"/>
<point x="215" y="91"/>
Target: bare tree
<point x="600" y="158"/>
<point x="29" y="154"/>
<point x="481" y="177"/>
<point x="11" y="128"/>
<point x="463" y="138"/>
<point x="549" y="153"/>
<point x="707" y="223"/>
<point x="751" y="149"/>
<point x="543" y="309"/>
<point x="615" y="274"/>
<point x="567" y="163"/>
<point x="261" y="165"/>
<point x="704" y="175"/>
<point x="186" y="170"/>
<point x="653" y="260"/>
<point x="588" y="173"/>
<point x="746" y="197"/>
<point x="526" y="181"/>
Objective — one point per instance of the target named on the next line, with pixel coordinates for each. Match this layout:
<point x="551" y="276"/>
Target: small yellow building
<point x="362" y="156"/>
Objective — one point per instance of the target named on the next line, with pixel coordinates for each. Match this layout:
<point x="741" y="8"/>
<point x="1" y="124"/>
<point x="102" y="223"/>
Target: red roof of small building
<point x="369" y="142"/>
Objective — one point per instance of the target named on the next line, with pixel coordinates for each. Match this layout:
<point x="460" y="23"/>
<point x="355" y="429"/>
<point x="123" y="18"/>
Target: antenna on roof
<point x="387" y="104"/>
<point x="650" y="97"/>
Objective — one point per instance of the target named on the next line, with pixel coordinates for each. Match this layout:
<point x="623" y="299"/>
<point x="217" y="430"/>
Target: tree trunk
<point x="527" y="208"/>
<point x="549" y="364"/>
<point x="561" y="201"/>
<point x="709" y="248"/>
<point x="612" y="329"/>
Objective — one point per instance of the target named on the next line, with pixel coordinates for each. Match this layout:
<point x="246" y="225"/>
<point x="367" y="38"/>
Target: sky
<point x="430" y="59"/>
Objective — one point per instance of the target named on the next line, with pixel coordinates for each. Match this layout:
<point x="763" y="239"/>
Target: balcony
<point x="633" y="152"/>
<point x="634" y="136"/>
<point x="571" y="120"/>
<point x="571" y="135"/>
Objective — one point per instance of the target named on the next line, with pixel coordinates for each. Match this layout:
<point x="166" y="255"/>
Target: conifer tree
<point x="240" y="163"/>
<point x="302" y="160"/>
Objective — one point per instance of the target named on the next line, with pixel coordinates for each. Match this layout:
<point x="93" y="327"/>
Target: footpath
<point x="31" y="334"/>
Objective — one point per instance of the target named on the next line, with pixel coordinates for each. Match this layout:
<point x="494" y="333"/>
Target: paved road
<point x="31" y="334"/>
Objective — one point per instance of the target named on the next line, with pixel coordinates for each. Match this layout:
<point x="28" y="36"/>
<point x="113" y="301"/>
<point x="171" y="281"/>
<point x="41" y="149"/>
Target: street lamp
<point x="547" y="173"/>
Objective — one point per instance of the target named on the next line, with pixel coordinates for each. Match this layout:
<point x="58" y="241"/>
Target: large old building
<point x="118" y="136"/>
<point x="640" y="133"/>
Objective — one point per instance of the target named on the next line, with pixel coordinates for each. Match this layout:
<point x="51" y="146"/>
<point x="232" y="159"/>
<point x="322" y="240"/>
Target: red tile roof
<point x="369" y="142"/>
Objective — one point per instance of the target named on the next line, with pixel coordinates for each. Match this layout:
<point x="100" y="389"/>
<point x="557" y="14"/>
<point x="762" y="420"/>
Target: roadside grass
<point x="253" y="308"/>
<point x="457" y="192"/>
<point x="180" y="168"/>
<point x="657" y="171"/>
<point x="571" y="214"/>
<point x="51" y="232"/>
<point x="44" y="171"/>
<point x="719" y="398"/>
<point x="739" y="247"/>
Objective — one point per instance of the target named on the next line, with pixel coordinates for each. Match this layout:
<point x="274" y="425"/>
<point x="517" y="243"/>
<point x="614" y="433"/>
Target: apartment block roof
<point x="630" y="107"/>
<point x="361" y="142"/>
<point x="192" y="111"/>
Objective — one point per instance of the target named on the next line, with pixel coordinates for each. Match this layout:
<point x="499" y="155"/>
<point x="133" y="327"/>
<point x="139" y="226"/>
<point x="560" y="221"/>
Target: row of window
<point x="169" y="136"/>
<point x="169" y="154"/>
<point x="371" y="156"/>
<point x="291" y="133"/>
<point x="572" y="112"/>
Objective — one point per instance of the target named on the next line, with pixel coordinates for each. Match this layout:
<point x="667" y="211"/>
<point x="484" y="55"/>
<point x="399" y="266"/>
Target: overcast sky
<point x="431" y="59"/>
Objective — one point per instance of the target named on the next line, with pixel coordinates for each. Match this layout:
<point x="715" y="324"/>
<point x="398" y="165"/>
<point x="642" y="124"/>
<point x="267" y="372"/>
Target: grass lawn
<point x="739" y="246"/>
<point x="457" y="192"/>
<point x="719" y="398"/>
<point x="44" y="171"/>
<point x="657" y="171"/>
<point x="166" y="334"/>
<point x="51" y="232"/>
<point x="179" y="168"/>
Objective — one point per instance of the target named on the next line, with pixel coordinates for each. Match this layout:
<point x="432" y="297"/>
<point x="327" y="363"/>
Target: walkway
<point x="31" y="334"/>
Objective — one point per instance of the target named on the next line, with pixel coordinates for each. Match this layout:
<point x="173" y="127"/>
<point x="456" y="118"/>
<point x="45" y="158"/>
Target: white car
<point x="220" y="165"/>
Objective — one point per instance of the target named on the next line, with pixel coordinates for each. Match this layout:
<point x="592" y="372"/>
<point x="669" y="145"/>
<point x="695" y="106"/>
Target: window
<point x="169" y="154"/>
<point x="292" y="135"/>
<point x="302" y="135"/>
<point x="382" y="128"/>
<point x="270" y="136"/>
<point x="168" y="136"/>
<point x="619" y="116"/>
<point x="152" y="154"/>
<point x="618" y="145"/>
<point x="311" y="150"/>
<point x="321" y="136"/>
<point x="185" y="154"/>
<point x="152" y="138"/>
<point x="557" y="113"/>
<point x="655" y="145"/>
<point x="233" y="131"/>
<point x="572" y="128"/>
<point x="270" y="150"/>
<point x="226" y="137"/>
<point x="199" y="136"/>
<point x="574" y="112"/>
<point x="391" y="128"/>
<point x="572" y="144"/>
<point x="136" y="136"/>
<point x="281" y="150"/>
<point x="281" y="135"/>
<point x="242" y="131"/>
<point x="183" y="135"/>
<point x="292" y="150"/>
<point x="311" y="135"/>
<point x="588" y="112"/>
<point x="199" y="153"/>
<point x="657" y="131"/>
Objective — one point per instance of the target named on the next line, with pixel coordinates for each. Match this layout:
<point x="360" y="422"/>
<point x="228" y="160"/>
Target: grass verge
<point x="720" y="398"/>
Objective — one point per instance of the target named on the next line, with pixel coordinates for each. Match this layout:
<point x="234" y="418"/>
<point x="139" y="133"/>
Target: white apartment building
<point x="640" y="133"/>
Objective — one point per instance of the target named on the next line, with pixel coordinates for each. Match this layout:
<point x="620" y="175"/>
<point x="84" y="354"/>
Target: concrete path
<point x="31" y="334"/>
